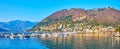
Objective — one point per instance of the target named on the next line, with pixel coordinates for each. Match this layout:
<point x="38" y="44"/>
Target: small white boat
<point x="11" y="36"/>
<point x="43" y="35"/>
<point x="20" y="36"/>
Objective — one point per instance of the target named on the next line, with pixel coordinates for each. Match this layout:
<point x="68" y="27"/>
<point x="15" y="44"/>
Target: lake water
<point x="67" y="42"/>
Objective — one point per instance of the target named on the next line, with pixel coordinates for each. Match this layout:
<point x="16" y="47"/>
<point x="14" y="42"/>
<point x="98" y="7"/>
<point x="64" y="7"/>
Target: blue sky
<point x="36" y="10"/>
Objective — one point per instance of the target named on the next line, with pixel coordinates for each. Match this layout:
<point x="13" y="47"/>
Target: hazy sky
<point x="36" y="10"/>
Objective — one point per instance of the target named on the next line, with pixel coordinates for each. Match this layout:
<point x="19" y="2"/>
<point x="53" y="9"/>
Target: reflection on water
<point x="59" y="42"/>
<point x="81" y="42"/>
<point x="16" y="43"/>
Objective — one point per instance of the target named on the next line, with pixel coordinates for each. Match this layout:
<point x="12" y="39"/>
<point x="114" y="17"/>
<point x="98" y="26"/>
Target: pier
<point x="28" y="35"/>
<point x="55" y="34"/>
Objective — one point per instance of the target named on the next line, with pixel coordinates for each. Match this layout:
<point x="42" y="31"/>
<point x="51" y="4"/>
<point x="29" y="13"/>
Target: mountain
<point x="69" y="18"/>
<point x="17" y="25"/>
<point x="3" y="30"/>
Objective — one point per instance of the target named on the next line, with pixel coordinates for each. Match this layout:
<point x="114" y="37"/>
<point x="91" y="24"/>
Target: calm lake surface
<point x="59" y="42"/>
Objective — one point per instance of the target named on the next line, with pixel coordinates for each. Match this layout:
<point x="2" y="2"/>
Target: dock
<point x="28" y="35"/>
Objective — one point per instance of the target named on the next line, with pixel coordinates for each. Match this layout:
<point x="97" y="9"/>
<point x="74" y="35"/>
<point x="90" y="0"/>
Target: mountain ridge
<point x="101" y="16"/>
<point x="17" y="25"/>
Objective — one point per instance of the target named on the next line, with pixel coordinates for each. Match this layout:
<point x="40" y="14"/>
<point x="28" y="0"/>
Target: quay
<point x="55" y="34"/>
<point x="28" y="35"/>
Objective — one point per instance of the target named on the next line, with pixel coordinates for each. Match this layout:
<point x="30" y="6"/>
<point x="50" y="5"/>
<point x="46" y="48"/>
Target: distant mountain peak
<point x="15" y="21"/>
<point x="17" y="25"/>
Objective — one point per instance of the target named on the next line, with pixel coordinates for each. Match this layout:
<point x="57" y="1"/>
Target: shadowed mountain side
<point x="3" y="30"/>
<point x="17" y="25"/>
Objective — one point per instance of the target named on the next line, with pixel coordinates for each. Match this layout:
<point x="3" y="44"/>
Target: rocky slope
<point x="99" y="16"/>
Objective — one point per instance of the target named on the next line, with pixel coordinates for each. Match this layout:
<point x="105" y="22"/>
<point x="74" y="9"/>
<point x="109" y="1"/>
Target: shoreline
<point x="96" y="34"/>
